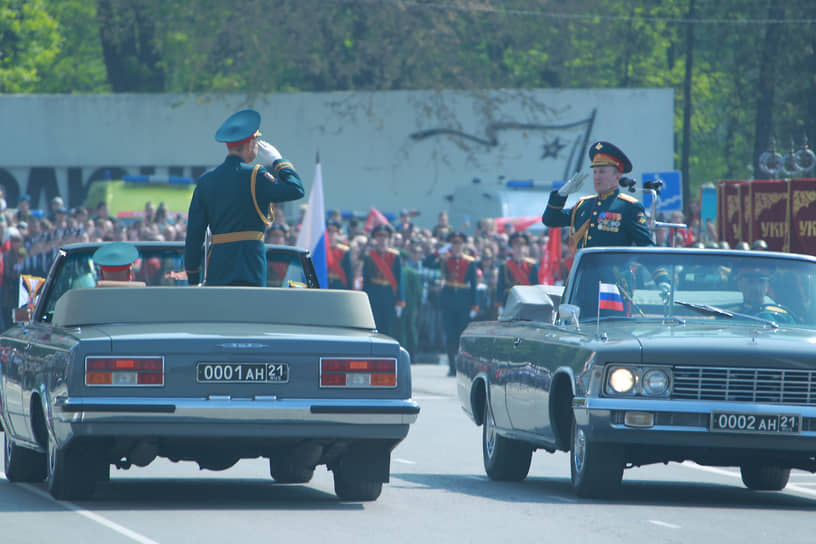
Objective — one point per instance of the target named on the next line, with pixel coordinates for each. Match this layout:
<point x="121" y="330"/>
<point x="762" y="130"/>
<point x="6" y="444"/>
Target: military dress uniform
<point x="609" y="219"/>
<point x="231" y="199"/>
<point x="382" y="281"/>
<point x="512" y="273"/>
<point x="457" y="298"/>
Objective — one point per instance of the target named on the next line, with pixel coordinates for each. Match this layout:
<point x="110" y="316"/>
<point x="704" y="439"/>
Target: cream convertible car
<point x="103" y="376"/>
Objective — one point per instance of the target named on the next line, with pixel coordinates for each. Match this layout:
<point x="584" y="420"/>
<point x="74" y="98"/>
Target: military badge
<point x="609" y="221"/>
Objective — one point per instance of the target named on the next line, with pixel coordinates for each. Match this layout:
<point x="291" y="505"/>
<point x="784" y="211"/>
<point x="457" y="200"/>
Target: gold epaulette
<point x="529" y="260"/>
<point x="628" y="198"/>
<point x="468" y="258"/>
<point x="344" y="247"/>
<point x="392" y="251"/>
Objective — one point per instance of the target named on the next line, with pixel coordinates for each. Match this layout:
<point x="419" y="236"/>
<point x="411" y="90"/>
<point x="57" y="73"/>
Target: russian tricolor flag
<point x="312" y="234"/>
<point x="609" y="298"/>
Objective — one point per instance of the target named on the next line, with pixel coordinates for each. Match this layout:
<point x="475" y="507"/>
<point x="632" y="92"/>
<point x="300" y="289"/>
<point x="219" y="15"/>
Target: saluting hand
<point x="573" y="184"/>
<point x="267" y="152"/>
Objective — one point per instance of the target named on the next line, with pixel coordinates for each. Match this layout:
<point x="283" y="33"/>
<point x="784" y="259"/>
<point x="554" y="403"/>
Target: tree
<point x="29" y="42"/>
<point x="129" y="45"/>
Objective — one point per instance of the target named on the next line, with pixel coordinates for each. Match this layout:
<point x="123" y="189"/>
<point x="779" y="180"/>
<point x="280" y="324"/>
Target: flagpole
<point x="598" y="319"/>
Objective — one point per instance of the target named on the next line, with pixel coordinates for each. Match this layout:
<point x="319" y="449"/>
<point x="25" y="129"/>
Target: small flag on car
<point x="609" y="298"/>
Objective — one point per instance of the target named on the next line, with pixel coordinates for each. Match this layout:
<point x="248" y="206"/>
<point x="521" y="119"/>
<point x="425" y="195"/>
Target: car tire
<point x="70" y="473"/>
<point x="596" y="468"/>
<point x="285" y="473"/>
<point x="349" y="488"/>
<point x="504" y="459"/>
<point x="22" y="464"/>
<point x="764" y="477"/>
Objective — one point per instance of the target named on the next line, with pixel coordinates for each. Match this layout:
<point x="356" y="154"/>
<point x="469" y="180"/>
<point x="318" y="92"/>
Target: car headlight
<point x="655" y="382"/>
<point x="636" y="380"/>
<point x="621" y="380"/>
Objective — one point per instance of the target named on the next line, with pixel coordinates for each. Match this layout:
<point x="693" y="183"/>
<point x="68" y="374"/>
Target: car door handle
<point x="516" y="342"/>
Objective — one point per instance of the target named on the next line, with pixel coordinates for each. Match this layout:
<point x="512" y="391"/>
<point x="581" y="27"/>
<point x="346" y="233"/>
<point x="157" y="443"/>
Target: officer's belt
<point x="456" y="284"/>
<point x="240" y="236"/>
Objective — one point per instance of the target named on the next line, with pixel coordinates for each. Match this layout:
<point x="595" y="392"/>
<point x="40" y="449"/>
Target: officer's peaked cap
<point x="606" y="154"/>
<point x="239" y="126"/>
<point x="116" y="254"/>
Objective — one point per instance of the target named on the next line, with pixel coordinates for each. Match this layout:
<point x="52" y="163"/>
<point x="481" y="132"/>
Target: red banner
<point x="803" y="216"/>
<point x="781" y="212"/>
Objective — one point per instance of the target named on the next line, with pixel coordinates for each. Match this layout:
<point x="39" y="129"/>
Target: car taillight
<point x="124" y="371"/>
<point x="358" y="372"/>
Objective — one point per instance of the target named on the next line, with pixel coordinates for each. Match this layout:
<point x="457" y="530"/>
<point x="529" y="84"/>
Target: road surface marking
<point x="664" y="524"/>
<point x="124" y="531"/>
<point x="406" y="461"/>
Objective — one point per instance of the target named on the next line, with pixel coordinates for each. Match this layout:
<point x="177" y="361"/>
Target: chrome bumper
<point x="599" y="417"/>
<point x="235" y="410"/>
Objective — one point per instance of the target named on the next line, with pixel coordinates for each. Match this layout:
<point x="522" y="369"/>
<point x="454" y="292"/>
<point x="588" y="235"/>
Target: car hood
<point x="718" y="344"/>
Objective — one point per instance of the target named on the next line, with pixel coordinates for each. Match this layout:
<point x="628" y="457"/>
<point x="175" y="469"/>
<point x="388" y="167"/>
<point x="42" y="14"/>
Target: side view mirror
<point x="569" y="313"/>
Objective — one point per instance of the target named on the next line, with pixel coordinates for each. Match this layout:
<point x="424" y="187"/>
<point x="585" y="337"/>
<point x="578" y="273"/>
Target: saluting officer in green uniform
<point x="609" y="218"/>
<point x="235" y="200"/>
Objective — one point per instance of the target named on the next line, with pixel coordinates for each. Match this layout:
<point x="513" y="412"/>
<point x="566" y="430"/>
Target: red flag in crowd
<point x="519" y="223"/>
<point x="550" y="269"/>
<point x="374" y="218"/>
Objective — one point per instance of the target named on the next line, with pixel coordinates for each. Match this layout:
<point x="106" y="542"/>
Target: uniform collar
<point x="604" y="196"/>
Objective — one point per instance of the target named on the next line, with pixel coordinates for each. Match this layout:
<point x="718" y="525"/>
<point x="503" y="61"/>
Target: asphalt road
<point x="438" y="493"/>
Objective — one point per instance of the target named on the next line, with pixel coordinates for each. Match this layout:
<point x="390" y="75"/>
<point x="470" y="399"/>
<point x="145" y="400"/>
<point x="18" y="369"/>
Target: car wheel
<point x="596" y="468"/>
<point x="70" y="474"/>
<point x="504" y="459"/>
<point x="22" y="464"/>
<point x="285" y="473"/>
<point x="765" y="477"/>
<point x="349" y="488"/>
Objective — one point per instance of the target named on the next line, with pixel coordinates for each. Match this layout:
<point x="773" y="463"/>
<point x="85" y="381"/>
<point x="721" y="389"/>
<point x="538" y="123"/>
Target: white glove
<point x="398" y="309"/>
<point x="444" y="249"/>
<point x="573" y="184"/>
<point x="473" y="314"/>
<point x="267" y="152"/>
<point x="665" y="291"/>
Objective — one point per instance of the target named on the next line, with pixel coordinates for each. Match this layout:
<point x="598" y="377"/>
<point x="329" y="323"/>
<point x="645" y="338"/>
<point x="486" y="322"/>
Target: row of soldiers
<point x="384" y="280"/>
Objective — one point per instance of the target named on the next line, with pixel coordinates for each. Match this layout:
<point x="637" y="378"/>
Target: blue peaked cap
<point x="239" y="126"/>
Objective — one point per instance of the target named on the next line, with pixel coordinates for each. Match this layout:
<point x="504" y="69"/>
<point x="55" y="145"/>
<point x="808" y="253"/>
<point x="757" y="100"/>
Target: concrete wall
<point x="391" y="150"/>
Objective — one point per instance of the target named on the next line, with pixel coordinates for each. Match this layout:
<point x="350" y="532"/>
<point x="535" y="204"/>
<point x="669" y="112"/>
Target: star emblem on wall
<point x="552" y="148"/>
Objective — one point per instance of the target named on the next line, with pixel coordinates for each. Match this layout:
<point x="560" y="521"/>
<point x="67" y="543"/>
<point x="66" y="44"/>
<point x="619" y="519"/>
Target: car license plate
<point x="736" y="422"/>
<point x="216" y="372"/>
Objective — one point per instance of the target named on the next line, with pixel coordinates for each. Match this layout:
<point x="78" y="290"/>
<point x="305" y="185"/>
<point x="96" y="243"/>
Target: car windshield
<point x="158" y="266"/>
<point x="769" y="290"/>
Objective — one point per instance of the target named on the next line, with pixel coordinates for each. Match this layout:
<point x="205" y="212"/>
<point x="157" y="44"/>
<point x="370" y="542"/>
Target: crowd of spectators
<point x="30" y="240"/>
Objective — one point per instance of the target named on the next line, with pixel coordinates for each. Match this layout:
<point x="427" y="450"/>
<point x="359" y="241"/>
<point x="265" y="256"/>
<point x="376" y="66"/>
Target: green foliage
<point x="79" y="66"/>
<point x="262" y="46"/>
<point x="29" y="43"/>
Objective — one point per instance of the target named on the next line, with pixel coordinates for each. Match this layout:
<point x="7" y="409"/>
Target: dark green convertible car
<point x="651" y="355"/>
<point x="99" y="376"/>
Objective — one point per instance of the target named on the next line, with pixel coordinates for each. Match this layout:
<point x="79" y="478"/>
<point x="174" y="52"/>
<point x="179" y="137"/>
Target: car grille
<point x="744" y="384"/>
